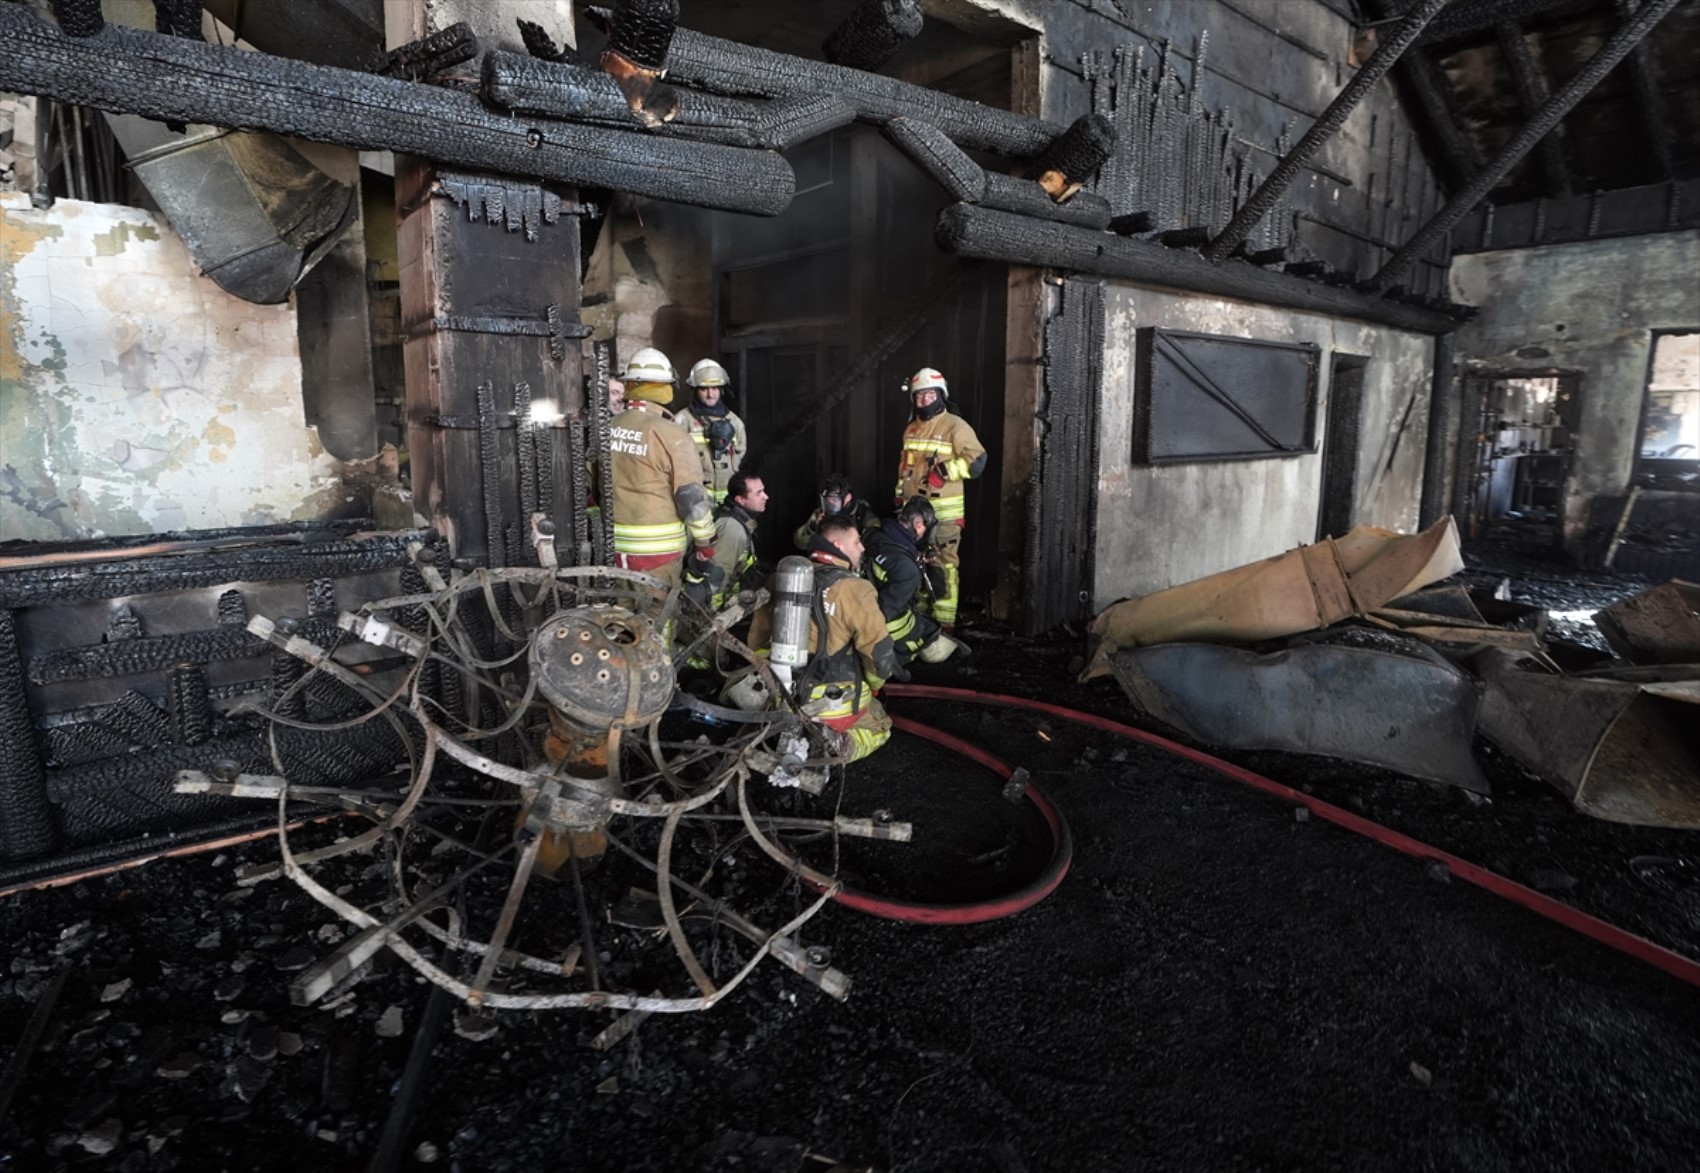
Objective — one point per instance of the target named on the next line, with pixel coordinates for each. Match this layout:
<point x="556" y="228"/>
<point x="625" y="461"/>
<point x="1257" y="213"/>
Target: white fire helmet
<point x="649" y="365"/>
<point x="927" y="379"/>
<point x="708" y="373"/>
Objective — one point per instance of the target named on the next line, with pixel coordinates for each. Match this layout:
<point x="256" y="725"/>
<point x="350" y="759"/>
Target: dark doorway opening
<point x="798" y="295"/>
<point x="1518" y="436"/>
<point x="1339" y="504"/>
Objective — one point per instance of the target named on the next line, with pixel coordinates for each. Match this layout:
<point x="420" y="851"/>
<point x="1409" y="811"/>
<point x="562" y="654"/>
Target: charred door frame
<point x="1341" y="447"/>
<point x="1058" y="564"/>
<point x="1472" y="386"/>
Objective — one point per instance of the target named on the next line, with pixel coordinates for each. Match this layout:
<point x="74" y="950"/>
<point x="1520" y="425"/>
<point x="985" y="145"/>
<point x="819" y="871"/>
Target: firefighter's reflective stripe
<point x="956" y="469"/>
<point x="717" y="495"/>
<point x="667" y="537"/>
<point x="952" y="508"/>
<point x="864" y="741"/>
<point x="834" y="704"/>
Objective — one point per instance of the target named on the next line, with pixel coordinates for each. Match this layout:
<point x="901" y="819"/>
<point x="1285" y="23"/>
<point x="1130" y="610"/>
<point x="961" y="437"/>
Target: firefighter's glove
<point x="938" y="582"/>
<point x="936" y="478"/>
<point x="702" y="577"/>
<point x="900" y="674"/>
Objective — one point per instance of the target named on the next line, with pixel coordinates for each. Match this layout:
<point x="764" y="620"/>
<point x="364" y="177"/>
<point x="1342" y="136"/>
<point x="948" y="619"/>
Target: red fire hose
<point x="917" y="912"/>
<point x="1671" y="962"/>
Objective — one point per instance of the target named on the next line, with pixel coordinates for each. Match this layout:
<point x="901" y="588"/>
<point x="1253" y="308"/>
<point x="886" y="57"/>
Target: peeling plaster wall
<point x="1162" y="525"/>
<point x="650" y="283"/>
<point x="1591" y="307"/>
<point x="135" y="395"/>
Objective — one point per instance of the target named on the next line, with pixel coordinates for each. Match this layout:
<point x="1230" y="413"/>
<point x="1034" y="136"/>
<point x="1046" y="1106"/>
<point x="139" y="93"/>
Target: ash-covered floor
<point x="1219" y="983"/>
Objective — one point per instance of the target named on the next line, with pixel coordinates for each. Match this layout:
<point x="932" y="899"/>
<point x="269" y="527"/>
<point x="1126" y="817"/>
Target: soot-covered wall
<point x="1591" y="307"/>
<point x="1159" y="525"/>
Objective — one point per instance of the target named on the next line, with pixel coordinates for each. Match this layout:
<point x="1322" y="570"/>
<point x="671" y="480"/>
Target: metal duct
<point x="255" y="214"/>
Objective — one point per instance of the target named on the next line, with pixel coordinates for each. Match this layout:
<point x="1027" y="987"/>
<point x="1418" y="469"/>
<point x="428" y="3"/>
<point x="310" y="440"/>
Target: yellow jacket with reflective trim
<point x="651" y="458"/>
<point x="856" y="640"/>
<point x="716" y="474"/>
<point x="948" y="442"/>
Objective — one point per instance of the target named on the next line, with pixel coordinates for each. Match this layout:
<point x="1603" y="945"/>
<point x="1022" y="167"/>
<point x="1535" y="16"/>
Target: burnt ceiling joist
<point x="1552" y="111"/>
<point x="1464" y="18"/>
<point x="1264" y="198"/>
<point x="1647" y="100"/>
<point x="1452" y="153"/>
<point x="1482" y="66"/>
<point x="1531" y="92"/>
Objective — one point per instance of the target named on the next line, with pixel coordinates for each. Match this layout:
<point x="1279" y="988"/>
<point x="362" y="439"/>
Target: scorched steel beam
<point x="177" y="80"/>
<point x="1003" y="236"/>
<point x="1537" y="128"/>
<point x="1265" y="197"/>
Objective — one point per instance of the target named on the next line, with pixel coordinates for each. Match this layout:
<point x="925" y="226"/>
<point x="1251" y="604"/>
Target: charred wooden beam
<point x="1628" y="211"/>
<point x="574" y="93"/>
<point x="1653" y="116"/>
<point x="1451" y="150"/>
<point x="171" y="79"/>
<point x="1074" y="157"/>
<point x="639" y="34"/>
<point x="540" y="44"/>
<point x="1024" y="196"/>
<point x="1442" y="404"/>
<point x="26" y="819"/>
<point x="1551" y="112"/>
<point x="873" y="33"/>
<point x="1466" y="17"/>
<point x="1287" y="170"/>
<point x="965" y="180"/>
<point x="1001" y="236"/>
<point x="1531" y="92"/>
<point x="727" y="67"/>
<point x="79" y="18"/>
<point x="443" y="49"/>
<point x="261" y="559"/>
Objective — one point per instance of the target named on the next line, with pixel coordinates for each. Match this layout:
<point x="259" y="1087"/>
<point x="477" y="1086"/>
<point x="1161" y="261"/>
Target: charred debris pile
<point x="1358" y="648"/>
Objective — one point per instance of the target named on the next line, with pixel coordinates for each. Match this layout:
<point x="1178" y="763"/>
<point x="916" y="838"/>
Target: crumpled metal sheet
<point x="1661" y="625"/>
<point x="1414" y="714"/>
<point x="1622" y="745"/>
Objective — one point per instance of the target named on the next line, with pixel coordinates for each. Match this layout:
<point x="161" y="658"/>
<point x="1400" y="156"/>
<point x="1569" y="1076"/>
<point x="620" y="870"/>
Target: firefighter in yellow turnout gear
<point x="717" y="431"/>
<point x="940" y="452"/>
<point x="735" y="536"/>
<point x="661" y="509"/>
<point x="854" y="657"/>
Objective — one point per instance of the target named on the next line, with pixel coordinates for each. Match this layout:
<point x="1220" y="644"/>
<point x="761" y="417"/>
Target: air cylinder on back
<point x="793" y="602"/>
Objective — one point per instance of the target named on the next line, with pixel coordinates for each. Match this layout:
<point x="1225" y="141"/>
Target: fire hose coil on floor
<point x="1678" y="966"/>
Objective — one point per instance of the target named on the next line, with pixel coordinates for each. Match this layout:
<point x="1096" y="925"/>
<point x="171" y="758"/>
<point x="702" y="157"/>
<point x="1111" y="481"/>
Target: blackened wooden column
<point x="490" y="305"/>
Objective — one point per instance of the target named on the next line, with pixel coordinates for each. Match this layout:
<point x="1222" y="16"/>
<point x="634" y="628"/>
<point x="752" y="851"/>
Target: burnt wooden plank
<point x="176" y="80"/>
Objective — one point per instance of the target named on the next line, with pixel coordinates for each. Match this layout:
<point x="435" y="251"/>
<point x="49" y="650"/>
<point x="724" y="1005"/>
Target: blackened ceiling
<point x="1492" y="60"/>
